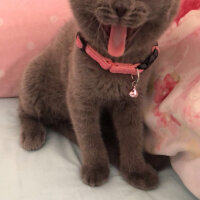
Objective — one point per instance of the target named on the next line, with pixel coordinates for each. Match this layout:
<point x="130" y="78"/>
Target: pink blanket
<point x="173" y="108"/>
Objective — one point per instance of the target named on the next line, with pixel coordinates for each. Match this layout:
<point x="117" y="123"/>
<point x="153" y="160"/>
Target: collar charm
<point x="134" y="93"/>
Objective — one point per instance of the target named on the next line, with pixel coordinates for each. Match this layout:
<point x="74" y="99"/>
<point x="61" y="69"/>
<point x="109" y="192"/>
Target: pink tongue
<point x="117" y="40"/>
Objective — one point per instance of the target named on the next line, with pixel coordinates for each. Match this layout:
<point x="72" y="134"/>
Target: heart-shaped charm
<point x="133" y="93"/>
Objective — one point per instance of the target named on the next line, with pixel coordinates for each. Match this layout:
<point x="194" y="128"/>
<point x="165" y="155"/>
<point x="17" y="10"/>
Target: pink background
<point x="26" y="27"/>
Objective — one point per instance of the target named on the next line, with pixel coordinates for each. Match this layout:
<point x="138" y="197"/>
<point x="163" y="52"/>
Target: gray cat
<point x="67" y="90"/>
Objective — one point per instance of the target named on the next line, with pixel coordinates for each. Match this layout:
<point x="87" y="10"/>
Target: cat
<point x="65" y="89"/>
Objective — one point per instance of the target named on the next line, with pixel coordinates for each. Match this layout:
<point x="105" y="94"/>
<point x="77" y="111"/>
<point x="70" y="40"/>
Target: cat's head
<point x="119" y="26"/>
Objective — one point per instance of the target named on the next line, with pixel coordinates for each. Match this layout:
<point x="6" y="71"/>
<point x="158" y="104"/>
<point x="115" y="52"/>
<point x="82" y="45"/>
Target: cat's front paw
<point x="94" y="176"/>
<point x="145" y="180"/>
<point x="31" y="141"/>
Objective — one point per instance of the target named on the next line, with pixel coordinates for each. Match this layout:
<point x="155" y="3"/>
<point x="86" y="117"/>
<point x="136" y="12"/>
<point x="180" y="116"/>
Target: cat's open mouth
<point x="118" y="36"/>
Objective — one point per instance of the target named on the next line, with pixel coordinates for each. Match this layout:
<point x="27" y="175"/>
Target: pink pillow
<point x="26" y="27"/>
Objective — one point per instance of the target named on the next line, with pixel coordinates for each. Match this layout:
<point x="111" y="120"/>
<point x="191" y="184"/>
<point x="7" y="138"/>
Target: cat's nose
<point x="120" y="10"/>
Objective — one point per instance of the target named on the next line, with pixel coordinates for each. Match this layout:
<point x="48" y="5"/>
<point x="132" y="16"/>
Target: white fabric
<point x="52" y="173"/>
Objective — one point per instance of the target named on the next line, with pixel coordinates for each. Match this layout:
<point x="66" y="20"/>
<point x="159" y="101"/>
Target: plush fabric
<point x="173" y="104"/>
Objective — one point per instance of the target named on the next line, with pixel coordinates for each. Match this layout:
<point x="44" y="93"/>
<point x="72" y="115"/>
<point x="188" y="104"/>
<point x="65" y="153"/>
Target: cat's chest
<point x="113" y="85"/>
<point x="101" y="83"/>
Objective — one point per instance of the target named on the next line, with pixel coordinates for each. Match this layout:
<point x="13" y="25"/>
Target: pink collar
<point x="113" y="67"/>
<point x="120" y="68"/>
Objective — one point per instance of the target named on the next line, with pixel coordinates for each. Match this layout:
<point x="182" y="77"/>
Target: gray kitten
<point x="65" y="89"/>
